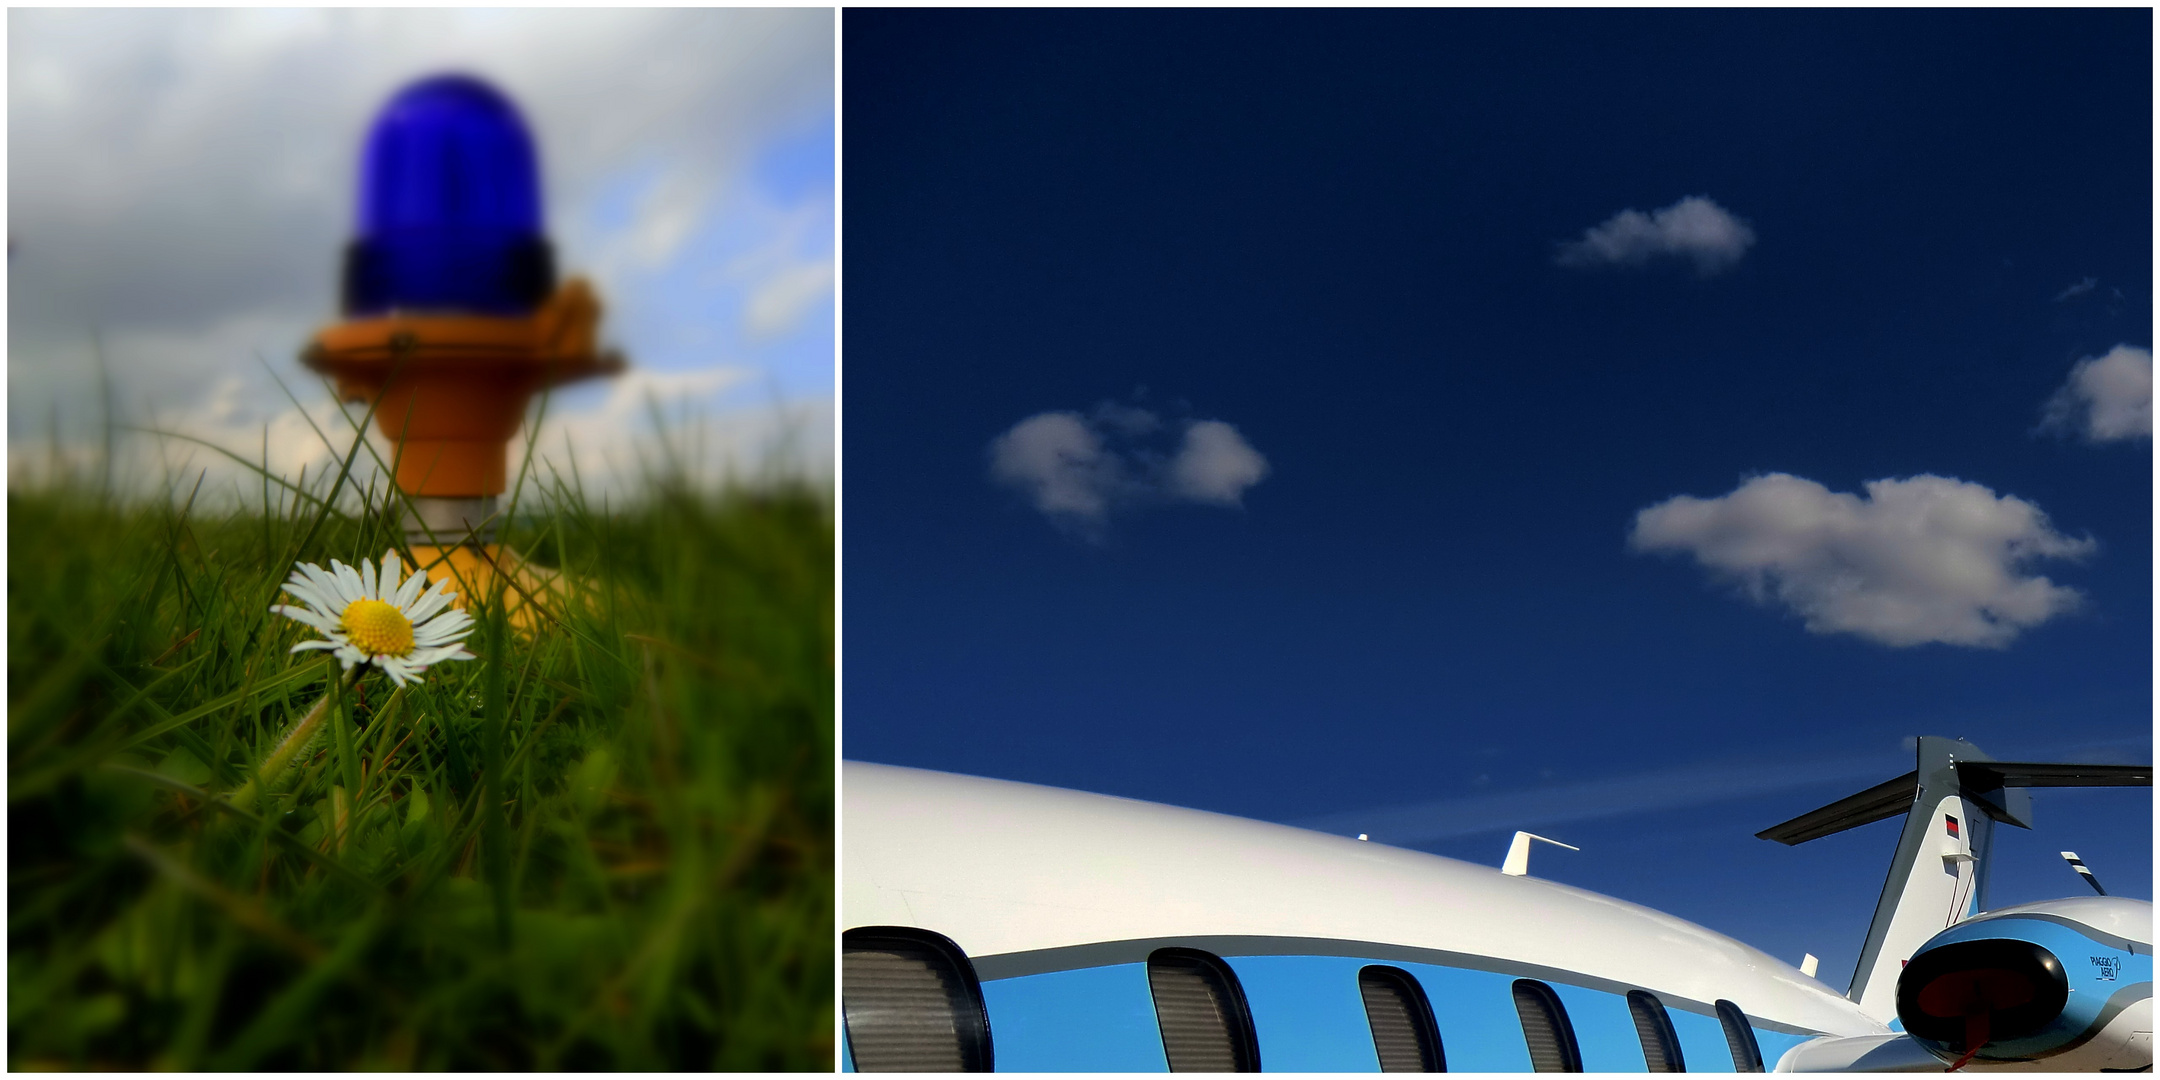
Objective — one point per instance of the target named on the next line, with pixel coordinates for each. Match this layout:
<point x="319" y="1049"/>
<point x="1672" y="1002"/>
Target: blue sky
<point x="1290" y="414"/>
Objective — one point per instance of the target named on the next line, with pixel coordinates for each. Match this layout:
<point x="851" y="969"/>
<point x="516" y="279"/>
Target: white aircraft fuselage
<point x="991" y="924"/>
<point x="1059" y="897"/>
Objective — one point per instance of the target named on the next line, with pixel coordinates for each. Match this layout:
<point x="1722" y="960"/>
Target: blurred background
<point x="182" y="183"/>
<point x="604" y="841"/>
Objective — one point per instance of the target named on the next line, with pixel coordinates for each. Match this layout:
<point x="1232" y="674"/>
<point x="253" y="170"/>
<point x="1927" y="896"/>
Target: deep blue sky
<point x="1338" y="232"/>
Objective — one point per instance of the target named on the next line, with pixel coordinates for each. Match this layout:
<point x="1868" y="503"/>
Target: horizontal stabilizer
<point x="1887" y="799"/>
<point x="1987" y="775"/>
<point x="1894" y="797"/>
<point x="1951" y="805"/>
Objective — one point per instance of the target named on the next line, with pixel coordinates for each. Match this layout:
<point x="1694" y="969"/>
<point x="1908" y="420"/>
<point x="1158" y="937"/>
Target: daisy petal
<point x="433" y="601"/>
<point x="302" y="615"/>
<point x="350" y="578"/>
<point x="437" y="641"/>
<point x="306" y="645"/>
<point x="410" y="591"/>
<point x="367" y="578"/>
<point x="448" y="622"/>
<point x="433" y="655"/>
<point x="307" y="594"/>
<point x="387" y="580"/>
<point x="309" y="577"/>
<point x="331" y="586"/>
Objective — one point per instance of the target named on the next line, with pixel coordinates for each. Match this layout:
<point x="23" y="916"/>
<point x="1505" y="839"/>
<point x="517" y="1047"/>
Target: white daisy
<point x="368" y="617"/>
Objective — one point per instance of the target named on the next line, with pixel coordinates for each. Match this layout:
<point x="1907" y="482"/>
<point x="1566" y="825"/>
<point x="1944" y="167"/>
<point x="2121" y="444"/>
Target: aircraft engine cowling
<point x="2059" y="985"/>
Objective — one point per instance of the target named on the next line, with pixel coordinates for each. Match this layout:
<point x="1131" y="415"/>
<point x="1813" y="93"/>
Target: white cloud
<point x="1700" y="784"/>
<point x="787" y="296"/>
<point x="1694" y="228"/>
<point x="700" y="422"/>
<point x="1058" y="460"/>
<point x="696" y="421"/>
<point x="1078" y="469"/>
<point x="1918" y="560"/>
<point x="2078" y="288"/>
<point x="1216" y="464"/>
<point x="668" y="212"/>
<point x="2107" y="398"/>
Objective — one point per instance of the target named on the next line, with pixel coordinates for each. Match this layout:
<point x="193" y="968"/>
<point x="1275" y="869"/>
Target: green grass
<point x="606" y="845"/>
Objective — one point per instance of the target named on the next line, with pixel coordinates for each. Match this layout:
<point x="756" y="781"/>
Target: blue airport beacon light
<point x="453" y="320"/>
<point x="449" y="214"/>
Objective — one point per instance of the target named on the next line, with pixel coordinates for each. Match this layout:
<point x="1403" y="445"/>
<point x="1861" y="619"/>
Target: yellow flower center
<point x="377" y="628"/>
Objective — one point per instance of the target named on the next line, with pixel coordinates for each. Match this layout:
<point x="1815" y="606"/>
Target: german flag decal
<point x="1950" y="824"/>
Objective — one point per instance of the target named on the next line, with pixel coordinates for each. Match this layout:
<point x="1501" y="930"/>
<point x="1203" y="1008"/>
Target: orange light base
<point x="526" y="591"/>
<point x="450" y="390"/>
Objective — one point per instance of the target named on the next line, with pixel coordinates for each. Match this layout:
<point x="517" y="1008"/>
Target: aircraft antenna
<point x="1518" y="853"/>
<point x="2078" y="865"/>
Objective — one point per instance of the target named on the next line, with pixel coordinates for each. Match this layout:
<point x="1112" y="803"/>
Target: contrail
<point x="1689" y="785"/>
<point x="1666" y="789"/>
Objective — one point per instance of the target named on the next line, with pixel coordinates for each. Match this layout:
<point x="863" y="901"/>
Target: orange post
<point x="449" y="392"/>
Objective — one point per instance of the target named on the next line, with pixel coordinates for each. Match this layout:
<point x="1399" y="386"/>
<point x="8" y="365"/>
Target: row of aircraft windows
<point x="912" y="1003"/>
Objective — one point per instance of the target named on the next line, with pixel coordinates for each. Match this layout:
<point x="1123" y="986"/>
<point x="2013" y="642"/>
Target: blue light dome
<point x="449" y="214"/>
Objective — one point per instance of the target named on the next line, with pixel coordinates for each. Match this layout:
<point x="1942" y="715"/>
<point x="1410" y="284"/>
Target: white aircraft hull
<point x="1058" y="898"/>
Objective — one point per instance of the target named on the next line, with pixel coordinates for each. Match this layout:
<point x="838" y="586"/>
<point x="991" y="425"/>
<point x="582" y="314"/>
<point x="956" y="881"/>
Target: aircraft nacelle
<point x="2055" y="986"/>
<point x="2060" y="985"/>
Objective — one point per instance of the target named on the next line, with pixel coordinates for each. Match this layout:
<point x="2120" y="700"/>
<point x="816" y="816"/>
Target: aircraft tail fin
<point x="1951" y="802"/>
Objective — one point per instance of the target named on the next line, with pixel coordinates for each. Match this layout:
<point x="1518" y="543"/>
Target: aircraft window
<point x="1403" y="1032"/>
<point x="1740" y="1037"/>
<point x="1200" y="1009"/>
<point x="1546" y="1029"/>
<point x="1660" y="1046"/>
<point x="911" y="1002"/>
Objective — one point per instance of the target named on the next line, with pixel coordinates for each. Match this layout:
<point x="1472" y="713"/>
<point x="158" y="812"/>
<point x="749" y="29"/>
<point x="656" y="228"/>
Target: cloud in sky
<point x="640" y="423"/>
<point x="698" y="428"/>
<point x="2107" y="398"/>
<point x="1060" y="462"/>
<point x="183" y="182"/>
<point x="781" y="302"/>
<point x="1618" y="796"/>
<point x="1694" y="228"/>
<point x="1693" y="784"/>
<point x="2076" y="289"/>
<point x="1215" y="465"/>
<point x="1078" y="469"/>
<point x="1919" y="560"/>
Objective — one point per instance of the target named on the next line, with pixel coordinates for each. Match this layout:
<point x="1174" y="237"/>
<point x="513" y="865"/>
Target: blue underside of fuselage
<point x="1310" y="1017"/>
